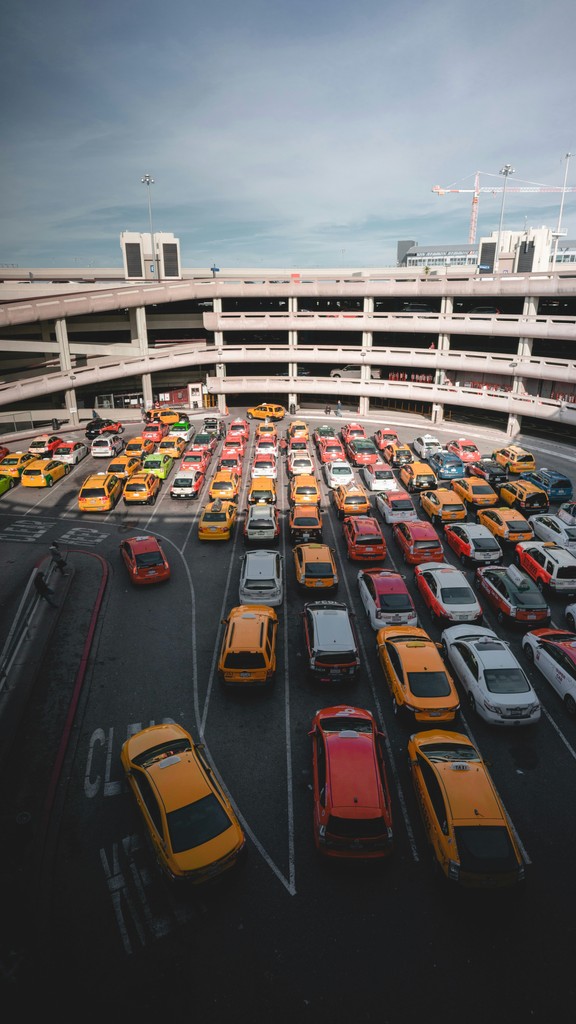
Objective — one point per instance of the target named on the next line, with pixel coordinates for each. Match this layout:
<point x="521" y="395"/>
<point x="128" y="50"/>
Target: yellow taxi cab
<point x="15" y="463"/>
<point x="442" y="505"/>
<point x="248" y="651"/>
<point x="298" y="428"/>
<point x="471" y="836"/>
<point x="417" y="476"/>
<point x="397" y="454"/>
<point x="189" y="820"/>
<point x="164" y="415"/>
<point x="315" y="567"/>
<point x="217" y="519"/>
<point x="172" y="445"/>
<point x="350" y="500"/>
<point x="262" y="489"/>
<point x="43" y="472"/>
<point x="266" y="411"/>
<point x="304" y="490"/>
<point x="515" y="459"/>
<point x="525" y="496"/>
<point x="100" y="492"/>
<point x="124" y="466"/>
<point x="266" y="430"/>
<point x="418" y="680"/>
<point x="225" y="484"/>
<point x="475" y="492"/>
<point x="139" y="447"/>
<point x="507" y="524"/>
<point x="142" y="488"/>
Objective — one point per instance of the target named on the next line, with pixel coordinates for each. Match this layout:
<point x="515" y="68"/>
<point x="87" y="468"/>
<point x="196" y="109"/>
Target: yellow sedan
<point x="43" y="472"/>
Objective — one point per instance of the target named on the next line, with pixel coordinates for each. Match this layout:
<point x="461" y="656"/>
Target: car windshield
<point x="486" y="544"/>
<point x="305" y="521"/>
<point x="429" y="684"/>
<point x="306" y="491"/>
<point x="154" y="463"/>
<point x="147" y="559"/>
<point x="346" y="724"/>
<point x="197" y="823"/>
<point x="450" y="752"/>
<point x="485" y="848"/>
<point x="423" y="545"/>
<point x="33" y="472"/>
<point x="354" y="499"/>
<point x="519" y="526"/>
<point x="319" y="570"/>
<point x="457" y="595"/>
<point x="402" y="506"/>
<point x="383" y="474"/>
<point x="93" y="492"/>
<point x="263" y="495"/>
<point x="341" y="470"/>
<point x="214" y="517"/>
<point x="222" y="485"/>
<point x="506" y="680"/>
<point x="536" y="500"/>
<point x="570" y="532"/>
<point x="482" y="489"/>
<point x="373" y="538"/>
<point x="135" y="487"/>
<point x="394" y="602"/>
<point x="245" y="660"/>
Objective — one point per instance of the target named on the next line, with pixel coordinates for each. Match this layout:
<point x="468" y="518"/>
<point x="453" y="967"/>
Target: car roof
<point x="360" y="788"/>
<point x="419" y="528"/>
<point x="386" y="582"/>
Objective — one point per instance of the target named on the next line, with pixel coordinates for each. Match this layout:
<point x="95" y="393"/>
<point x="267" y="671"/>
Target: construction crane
<point x="533" y="186"/>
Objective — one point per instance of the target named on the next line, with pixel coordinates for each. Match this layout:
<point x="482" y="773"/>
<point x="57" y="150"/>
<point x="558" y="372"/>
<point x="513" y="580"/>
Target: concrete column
<point x="139" y="340"/>
<point x="437" y="414"/>
<point x="63" y="345"/>
<point x="72" y="408"/>
<point x="514" y="425"/>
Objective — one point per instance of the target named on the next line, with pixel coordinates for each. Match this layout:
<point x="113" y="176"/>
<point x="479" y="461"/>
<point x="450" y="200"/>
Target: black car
<point x="95" y="427"/>
<point x="487" y="468"/>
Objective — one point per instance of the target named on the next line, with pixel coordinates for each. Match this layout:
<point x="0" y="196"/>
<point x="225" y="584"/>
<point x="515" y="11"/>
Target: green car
<point x="159" y="465"/>
<point x="6" y="482"/>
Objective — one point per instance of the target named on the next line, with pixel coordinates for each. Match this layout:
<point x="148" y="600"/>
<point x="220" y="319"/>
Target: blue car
<point x="557" y="486"/>
<point x="446" y="466"/>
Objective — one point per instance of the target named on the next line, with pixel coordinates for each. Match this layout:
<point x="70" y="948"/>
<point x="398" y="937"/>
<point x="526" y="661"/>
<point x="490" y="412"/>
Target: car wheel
<point x="540" y="585"/>
<point x="569" y="618"/>
<point x="529" y="653"/>
<point x="500" y="617"/>
<point x="463" y="560"/>
<point x="49" y="482"/>
<point x="471" y="702"/>
<point x="570" y="704"/>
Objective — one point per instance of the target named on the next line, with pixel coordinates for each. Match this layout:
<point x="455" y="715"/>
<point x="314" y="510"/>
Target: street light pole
<point x="148" y="180"/>
<point x="507" y="170"/>
<point x="567" y="158"/>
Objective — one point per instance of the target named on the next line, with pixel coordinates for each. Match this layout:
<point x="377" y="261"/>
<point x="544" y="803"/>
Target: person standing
<point x="57" y="558"/>
<point x="338" y="408"/>
<point x="43" y="589"/>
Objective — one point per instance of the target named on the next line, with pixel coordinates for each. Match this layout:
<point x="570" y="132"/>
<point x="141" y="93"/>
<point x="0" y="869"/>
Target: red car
<point x="362" y="452"/>
<point x="364" y="539"/>
<point x="384" y="437"/>
<point x="352" y="805"/>
<point x="155" y="431"/>
<point x="196" y="458"/>
<point x="418" y="542"/>
<point x="145" y="560"/>
<point x="43" y="445"/>
<point x="230" y="459"/>
<point x="351" y="432"/>
<point x="239" y="428"/>
<point x="330" y="449"/>
<point x="465" y="449"/>
<point x="513" y="595"/>
<point x="3" y="451"/>
<point x="232" y="442"/>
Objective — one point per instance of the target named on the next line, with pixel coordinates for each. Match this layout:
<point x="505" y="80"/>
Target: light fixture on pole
<point x="558" y="231"/>
<point x="148" y="180"/>
<point x="507" y="170"/>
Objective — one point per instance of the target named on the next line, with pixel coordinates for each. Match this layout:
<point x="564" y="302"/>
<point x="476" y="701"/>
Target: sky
<point x="279" y="134"/>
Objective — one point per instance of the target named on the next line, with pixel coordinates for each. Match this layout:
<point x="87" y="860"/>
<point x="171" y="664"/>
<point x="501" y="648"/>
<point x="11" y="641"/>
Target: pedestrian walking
<point x="43" y="589"/>
<point x="57" y="558"/>
<point x="338" y="408"/>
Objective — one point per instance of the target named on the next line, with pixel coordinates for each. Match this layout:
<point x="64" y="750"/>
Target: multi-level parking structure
<point x="68" y="336"/>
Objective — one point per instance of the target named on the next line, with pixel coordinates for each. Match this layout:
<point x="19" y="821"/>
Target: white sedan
<point x="570" y="614"/>
<point x="70" y="452"/>
<point x="338" y="472"/>
<point x="425" y="444"/>
<point x="386" y="598"/>
<point x="396" y="507"/>
<point x="379" y="477"/>
<point x="553" y="651"/>
<point x="496" y="685"/>
<point x="550" y="527"/>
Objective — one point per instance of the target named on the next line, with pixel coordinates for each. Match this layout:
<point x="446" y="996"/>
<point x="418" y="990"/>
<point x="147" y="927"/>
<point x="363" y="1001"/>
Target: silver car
<point x="261" y="578"/>
<point x="338" y="472"/>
